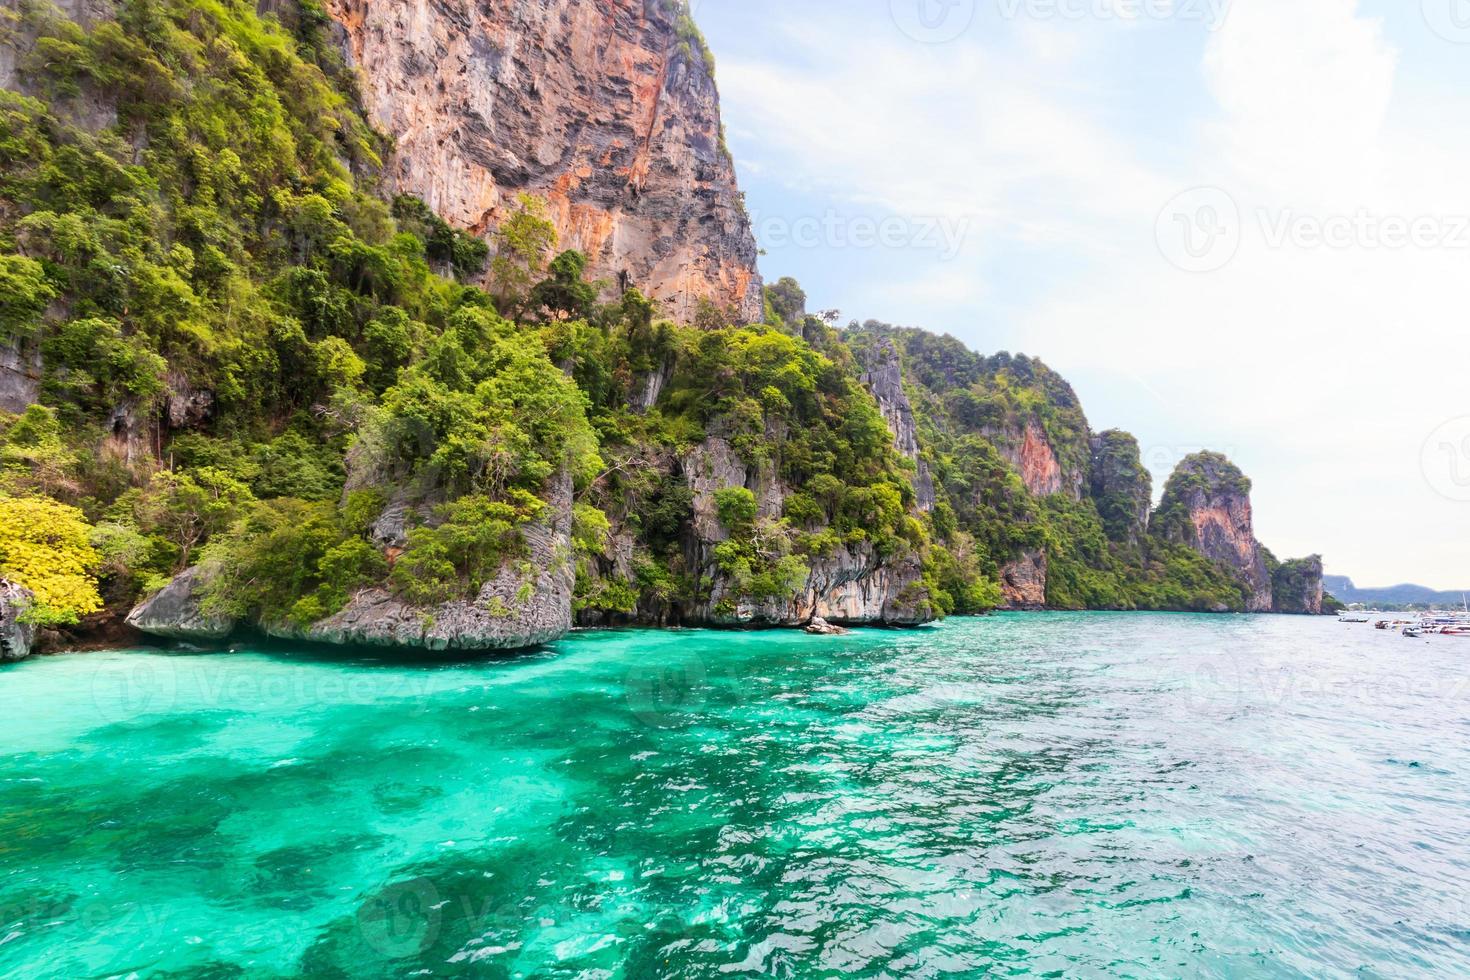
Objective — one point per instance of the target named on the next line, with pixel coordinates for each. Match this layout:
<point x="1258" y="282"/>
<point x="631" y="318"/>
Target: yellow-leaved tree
<point x="44" y="547"/>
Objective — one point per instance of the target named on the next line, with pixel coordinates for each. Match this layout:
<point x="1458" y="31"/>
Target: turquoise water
<point x="1063" y="795"/>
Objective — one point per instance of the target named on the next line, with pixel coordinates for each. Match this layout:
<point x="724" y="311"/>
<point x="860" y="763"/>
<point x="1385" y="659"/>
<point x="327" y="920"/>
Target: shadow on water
<point x="353" y="655"/>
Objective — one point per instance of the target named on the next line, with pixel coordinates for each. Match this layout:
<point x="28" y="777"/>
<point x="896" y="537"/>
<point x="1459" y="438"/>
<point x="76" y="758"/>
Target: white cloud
<point x="1323" y="369"/>
<point x="1305" y="88"/>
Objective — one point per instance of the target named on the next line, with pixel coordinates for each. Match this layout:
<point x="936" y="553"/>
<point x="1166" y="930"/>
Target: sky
<point x="1240" y="225"/>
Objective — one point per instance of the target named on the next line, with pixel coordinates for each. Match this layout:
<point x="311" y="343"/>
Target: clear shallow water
<point x="1059" y="795"/>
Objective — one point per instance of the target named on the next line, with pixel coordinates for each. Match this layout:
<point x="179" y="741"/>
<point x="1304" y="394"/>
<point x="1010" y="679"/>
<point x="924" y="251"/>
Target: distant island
<point x="1393" y="597"/>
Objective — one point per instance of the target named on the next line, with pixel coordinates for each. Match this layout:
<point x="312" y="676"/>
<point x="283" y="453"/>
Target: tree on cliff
<point x="523" y="243"/>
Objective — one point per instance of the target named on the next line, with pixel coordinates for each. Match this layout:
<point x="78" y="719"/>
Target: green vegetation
<point x="223" y="233"/>
<point x="46" y="547"/>
<point x="1121" y="488"/>
<point x="1194" y="476"/>
<point x="795" y="416"/>
<point x="973" y="413"/>
<point x="249" y="352"/>
<point x="1294" y="585"/>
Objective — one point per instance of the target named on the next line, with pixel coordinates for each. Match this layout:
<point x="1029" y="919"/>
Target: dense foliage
<point x="251" y="356"/>
<point x="190" y="206"/>
<point x="973" y="415"/>
<point x="46" y="547"/>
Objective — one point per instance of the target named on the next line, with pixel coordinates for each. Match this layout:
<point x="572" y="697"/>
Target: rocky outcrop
<point x="176" y="613"/>
<point x="606" y="108"/>
<point x="1121" y="487"/>
<point x="1297" y="587"/>
<point x="884" y="378"/>
<point x="185" y="406"/>
<point x="820" y="627"/>
<point x="1029" y="450"/>
<point x="852" y="586"/>
<point x="529" y="603"/>
<point x="20" y="372"/>
<point x="1023" y="581"/>
<point x="17" y="637"/>
<point x="130" y="433"/>
<point x="526" y="604"/>
<point x="1207" y="506"/>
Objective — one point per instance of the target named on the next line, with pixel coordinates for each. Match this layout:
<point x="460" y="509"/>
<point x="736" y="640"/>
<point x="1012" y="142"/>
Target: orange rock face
<point x="598" y="106"/>
<point x="1040" y="470"/>
<point x="1216" y="497"/>
<point x="1023" y="581"/>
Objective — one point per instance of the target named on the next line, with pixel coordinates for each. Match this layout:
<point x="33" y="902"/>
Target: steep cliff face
<point x="1023" y="580"/>
<point x="1207" y="506"/>
<point x="853" y="585"/>
<point x="606" y="108"/>
<point x="884" y="378"/>
<point x="1037" y="462"/>
<point x="1297" y="587"/>
<point x="1120" y="486"/>
<point x="17" y="638"/>
<point x="20" y="374"/>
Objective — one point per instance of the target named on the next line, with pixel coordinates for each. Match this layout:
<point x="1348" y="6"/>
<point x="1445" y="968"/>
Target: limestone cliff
<point x="1023" y="580"/>
<point x="884" y="378"/>
<point x="17" y="637"/>
<point x="606" y="108"/>
<point x="1207" y="506"/>
<point x="1121" y="488"/>
<point x="1030" y="451"/>
<point x="851" y="586"/>
<point x="529" y="603"/>
<point x="1297" y="587"/>
<point x="20" y="374"/>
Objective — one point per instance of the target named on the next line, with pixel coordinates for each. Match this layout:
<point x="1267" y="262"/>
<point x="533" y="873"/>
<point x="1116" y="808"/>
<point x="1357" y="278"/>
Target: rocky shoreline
<point x="114" y="631"/>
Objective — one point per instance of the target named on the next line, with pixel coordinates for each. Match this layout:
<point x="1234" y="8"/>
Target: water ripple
<point x="1065" y="795"/>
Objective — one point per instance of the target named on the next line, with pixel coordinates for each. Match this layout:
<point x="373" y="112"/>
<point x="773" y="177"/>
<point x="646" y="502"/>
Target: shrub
<point x="45" y="546"/>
